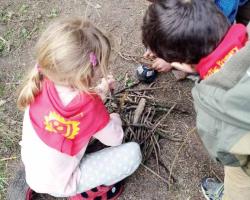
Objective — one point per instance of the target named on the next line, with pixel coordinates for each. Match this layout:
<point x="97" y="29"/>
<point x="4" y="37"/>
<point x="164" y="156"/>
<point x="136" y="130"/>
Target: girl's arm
<point x="112" y="134"/>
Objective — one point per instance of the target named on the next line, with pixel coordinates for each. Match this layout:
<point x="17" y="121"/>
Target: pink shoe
<point x="29" y="194"/>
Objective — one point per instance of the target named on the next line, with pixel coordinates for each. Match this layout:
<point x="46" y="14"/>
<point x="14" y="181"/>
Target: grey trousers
<point x="109" y="165"/>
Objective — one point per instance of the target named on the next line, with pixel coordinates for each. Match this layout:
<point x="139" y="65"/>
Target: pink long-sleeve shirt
<point x="53" y="172"/>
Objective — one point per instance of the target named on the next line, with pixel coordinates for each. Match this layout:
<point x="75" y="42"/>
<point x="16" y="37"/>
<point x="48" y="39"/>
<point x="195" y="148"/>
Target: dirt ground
<point x="22" y="21"/>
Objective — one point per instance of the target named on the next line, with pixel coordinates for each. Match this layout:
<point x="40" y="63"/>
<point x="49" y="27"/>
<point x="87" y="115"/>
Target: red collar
<point x="234" y="40"/>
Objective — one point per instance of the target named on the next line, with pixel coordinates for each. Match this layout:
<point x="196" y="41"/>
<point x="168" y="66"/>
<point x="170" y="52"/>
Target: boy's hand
<point x="149" y="54"/>
<point x="161" y="65"/>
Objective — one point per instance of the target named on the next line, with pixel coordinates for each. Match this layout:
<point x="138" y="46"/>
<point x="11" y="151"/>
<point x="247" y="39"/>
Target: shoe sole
<point x="204" y="193"/>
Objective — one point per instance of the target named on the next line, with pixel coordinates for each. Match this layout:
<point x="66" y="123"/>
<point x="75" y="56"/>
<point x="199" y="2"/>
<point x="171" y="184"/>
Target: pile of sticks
<point x="144" y="117"/>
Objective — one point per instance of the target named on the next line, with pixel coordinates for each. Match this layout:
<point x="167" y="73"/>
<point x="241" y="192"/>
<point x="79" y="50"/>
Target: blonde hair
<point x="63" y="56"/>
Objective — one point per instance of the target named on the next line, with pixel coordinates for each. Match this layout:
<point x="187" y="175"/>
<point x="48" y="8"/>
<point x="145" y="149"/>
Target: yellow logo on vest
<point x="54" y="123"/>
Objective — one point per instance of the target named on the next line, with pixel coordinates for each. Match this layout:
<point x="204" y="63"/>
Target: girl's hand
<point x="161" y="65"/>
<point x="111" y="82"/>
<point x="105" y="86"/>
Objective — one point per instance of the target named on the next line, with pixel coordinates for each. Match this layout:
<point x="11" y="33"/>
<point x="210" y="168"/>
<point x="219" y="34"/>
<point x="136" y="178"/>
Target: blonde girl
<point x="63" y="110"/>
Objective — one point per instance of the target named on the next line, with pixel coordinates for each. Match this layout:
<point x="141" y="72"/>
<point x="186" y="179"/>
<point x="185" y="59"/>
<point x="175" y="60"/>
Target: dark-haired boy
<point x="195" y="36"/>
<point x="181" y="33"/>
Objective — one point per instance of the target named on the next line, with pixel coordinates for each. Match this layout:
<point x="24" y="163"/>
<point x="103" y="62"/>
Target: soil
<point x="21" y="22"/>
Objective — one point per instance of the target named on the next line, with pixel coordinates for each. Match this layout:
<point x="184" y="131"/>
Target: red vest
<point x="67" y="128"/>
<point x="234" y="40"/>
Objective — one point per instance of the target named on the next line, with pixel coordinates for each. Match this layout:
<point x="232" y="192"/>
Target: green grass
<point x="1" y="89"/>
<point x="8" y="151"/>
<point x="23" y="9"/>
<point x="5" y="16"/>
<point x="3" y="179"/>
<point x="53" y="13"/>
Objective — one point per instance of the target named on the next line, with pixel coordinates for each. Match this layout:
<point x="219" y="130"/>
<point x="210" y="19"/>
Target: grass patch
<point x="3" y="47"/>
<point x="5" y="16"/>
<point x="1" y="90"/>
<point x="3" y="179"/>
<point x="23" y="9"/>
<point x="53" y="13"/>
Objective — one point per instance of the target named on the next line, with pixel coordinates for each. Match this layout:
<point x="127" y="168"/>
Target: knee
<point x="134" y="152"/>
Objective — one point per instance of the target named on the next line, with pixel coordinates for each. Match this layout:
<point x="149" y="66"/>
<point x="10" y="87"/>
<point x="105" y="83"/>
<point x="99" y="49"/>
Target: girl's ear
<point x="183" y="67"/>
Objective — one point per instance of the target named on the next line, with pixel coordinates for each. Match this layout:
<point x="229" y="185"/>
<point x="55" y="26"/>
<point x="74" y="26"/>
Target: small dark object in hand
<point x="145" y="74"/>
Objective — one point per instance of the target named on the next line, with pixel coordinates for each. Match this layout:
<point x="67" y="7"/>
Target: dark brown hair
<point x="183" y="30"/>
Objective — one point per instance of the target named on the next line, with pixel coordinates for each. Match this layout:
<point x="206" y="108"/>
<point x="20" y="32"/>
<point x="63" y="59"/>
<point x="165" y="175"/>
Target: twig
<point x="216" y="175"/>
<point x="164" y="117"/>
<point x="156" y="152"/>
<point x="160" y="177"/>
<point x="162" y="164"/>
<point x="145" y="89"/>
<point x="168" y="137"/>
<point x="177" y="154"/>
<point x="10" y="158"/>
<point x="127" y="58"/>
<point x="126" y="88"/>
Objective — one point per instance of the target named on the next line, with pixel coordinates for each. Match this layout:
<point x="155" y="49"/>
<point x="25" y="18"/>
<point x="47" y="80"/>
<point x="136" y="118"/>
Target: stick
<point x="166" y="168"/>
<point x="156" y="153"/>
<point x="216" y="175"/>
<point x="160" y="177"/>
<point x="164" y="117"/>
<point x="145" y="89"/>
<point x="6" y="159"/>
<point x="124" y="89"/>
<point x="139" y="110"/>
<point x="115" y="101"/>
<point x="177" y="154"/>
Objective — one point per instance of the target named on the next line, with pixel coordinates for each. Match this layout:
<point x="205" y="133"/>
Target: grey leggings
<point x="109" y="166"/>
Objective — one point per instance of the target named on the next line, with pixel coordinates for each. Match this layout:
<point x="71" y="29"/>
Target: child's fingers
<point x="146" y="54"/>
<point x="149" y="54"/>
<point x="156" y="64"/>
<point x="111" y="82"/>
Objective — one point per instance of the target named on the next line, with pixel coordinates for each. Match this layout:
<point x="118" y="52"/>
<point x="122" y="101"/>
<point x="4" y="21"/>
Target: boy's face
<point x="149" y="54"/>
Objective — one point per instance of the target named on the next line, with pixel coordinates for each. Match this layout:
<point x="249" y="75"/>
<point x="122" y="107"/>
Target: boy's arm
<point x="230" y="106"/>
